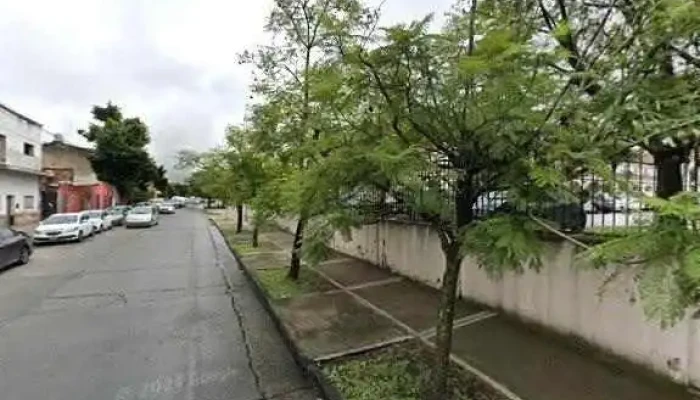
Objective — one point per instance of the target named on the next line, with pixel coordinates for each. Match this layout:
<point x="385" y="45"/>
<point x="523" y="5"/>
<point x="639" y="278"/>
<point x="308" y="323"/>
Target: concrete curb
<point x="307" y="365"/>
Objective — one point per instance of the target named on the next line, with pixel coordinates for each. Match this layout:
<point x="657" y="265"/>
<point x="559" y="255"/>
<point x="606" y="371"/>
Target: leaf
<point x="503" y="243"/>
<point x="662" y="297"/>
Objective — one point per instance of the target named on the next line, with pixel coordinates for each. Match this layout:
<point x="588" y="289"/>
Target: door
<point x="9" y="249"/>
<point x="9" y="209"/>
<point x="85" y="225"/>
<point x="49" y="201"/>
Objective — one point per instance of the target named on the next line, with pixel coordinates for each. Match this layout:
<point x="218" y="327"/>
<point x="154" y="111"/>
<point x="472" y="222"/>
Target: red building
<point x="74" y="198"/>
<point x="70" y="183"/>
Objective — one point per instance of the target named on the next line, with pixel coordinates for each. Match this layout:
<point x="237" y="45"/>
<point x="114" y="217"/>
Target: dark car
<point x="566" y="216"/>
<point x="603" y="203"/>
<point x="15" y="248"/>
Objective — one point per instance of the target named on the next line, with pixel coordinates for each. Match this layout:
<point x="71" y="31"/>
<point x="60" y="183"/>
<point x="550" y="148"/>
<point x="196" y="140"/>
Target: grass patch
<point x="399" y="372"/>
<point x="279" y="287"/>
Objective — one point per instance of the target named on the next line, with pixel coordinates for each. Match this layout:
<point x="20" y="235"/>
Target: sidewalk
<point x="26" y="228"/>
<point x="368" y="307"/>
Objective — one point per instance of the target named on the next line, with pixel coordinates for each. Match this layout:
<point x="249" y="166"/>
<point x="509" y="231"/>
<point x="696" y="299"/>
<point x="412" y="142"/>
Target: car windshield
<point x="95" y="214"/>
<point x="60" y="219"/>
<point x="140" y="210"/>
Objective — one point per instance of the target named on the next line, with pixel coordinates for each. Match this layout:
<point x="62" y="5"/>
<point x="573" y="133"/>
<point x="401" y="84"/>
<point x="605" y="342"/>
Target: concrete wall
<point x="17" y="132"/>
<point x="58" y="157"/>
<point x="19" y="185"/>
<point x="561" y="296"/>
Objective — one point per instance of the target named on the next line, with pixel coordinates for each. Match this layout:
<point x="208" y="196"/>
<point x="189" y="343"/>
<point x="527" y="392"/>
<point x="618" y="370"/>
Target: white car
<point x="167" y="208"/>
<point x="100" y="219"/>
<point x="64" y="228"/>
<point x="141" y="216"/>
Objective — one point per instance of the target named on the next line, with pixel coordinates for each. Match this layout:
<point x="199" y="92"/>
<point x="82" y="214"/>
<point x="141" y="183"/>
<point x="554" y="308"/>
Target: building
<point x="20" y="167"/>
<point x="70" y="184"/>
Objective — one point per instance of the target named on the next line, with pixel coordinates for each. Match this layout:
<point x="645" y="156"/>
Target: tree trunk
<point x="451" y="244"/>
<point x="295" y="266"/>
<point x="446" y="313"/>
<point x="239" y="218"/>
<point x="255" y="235"/>
<point x="668" y="173"/>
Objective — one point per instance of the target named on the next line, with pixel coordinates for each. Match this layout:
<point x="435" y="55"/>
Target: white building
<point x="20" y="167"/>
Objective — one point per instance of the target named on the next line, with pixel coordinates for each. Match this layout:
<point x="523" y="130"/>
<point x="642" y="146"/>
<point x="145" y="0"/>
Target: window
<point x="29" y="149"/>
<point x="3" y="148"/>
<point x="28" y="202"/>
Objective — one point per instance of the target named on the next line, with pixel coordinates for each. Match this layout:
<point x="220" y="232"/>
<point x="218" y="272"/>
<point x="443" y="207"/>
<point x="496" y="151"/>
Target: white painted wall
<point x="561" y="296"/>
<point x="19" y="184"/>
<point x="17" y="132"/>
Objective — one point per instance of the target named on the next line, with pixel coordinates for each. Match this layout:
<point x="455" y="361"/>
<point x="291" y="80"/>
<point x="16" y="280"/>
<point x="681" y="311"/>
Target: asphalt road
<point x="139" y="314"/>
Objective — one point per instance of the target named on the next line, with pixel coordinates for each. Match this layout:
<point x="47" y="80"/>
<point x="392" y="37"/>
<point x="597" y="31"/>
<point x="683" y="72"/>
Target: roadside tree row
<point x="518" y="96"/>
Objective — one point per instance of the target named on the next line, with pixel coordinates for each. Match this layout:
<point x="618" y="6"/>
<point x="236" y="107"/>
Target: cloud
<point x="172" y="63"/>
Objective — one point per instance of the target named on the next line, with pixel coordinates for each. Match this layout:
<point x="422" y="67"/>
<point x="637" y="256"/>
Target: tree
<point x="485" y="106"/>
<point x="160" y="181"/>
<point x="498" y="101"/>
<point x="120" y="157"/>
<point x="284" y="77"/>
<point x="248" y="175"/>
<point x="181" y="189"/>
<point x="640" y="62"/>
<point x="452" y="120"/>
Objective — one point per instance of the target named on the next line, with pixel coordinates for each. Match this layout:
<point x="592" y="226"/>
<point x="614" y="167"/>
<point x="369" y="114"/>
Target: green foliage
<point x="320" y="232"/>
<point x="278" y="286"/>
<point x="377" y="379"/>
<point x="120" y="157"/>
<point x="504" y="243"/>
<point x="400" y="372"/>
<point x="665" y="257"/>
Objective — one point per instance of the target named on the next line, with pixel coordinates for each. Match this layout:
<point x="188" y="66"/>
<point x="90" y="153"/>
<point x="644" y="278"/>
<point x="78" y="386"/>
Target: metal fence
<point x="597" y="204"/>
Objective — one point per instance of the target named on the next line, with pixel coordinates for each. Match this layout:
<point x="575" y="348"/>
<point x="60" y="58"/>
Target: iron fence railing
<point x="595" y="203"/>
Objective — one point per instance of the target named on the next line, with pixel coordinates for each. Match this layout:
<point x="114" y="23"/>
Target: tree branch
<point x="686" y="56"/>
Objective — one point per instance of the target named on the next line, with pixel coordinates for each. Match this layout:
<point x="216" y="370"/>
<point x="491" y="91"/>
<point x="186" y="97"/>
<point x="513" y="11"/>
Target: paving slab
<point x="541" y="368"/>
<point x="351" y="272"/>
<point x="413" y="303"/>
<point x="283" y="239"/>
<point x="330" y="323"/>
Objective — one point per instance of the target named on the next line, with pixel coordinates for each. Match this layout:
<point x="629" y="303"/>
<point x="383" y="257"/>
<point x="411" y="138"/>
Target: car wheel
<point x="80" y="236"/>
<point x="23" y="256"/>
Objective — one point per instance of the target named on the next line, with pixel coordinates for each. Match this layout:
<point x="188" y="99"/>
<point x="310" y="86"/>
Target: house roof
<point x="63" y="144"/>
<point x="20" y="116"/>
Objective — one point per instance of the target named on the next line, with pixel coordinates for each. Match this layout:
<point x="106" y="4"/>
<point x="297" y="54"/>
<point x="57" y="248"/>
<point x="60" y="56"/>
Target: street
<point x="139" y="314"/>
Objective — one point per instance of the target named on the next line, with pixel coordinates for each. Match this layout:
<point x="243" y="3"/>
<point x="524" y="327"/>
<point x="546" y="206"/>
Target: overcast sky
<point x="170" y="62"/>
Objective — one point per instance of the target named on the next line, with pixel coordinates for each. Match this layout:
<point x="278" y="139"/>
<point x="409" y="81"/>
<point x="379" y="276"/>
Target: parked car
<point x="567" y="216"/>
<point x="100" y="219"/>
<point x="178" y="201"/>
<point x="64" y="228"/>
<point x="167" y="208"/>
<point x="117" y="216"/>
<point x="15" y="248"/>
<point x="141" y="216"/>
<point x="121" y="209"/>
<point x="604" y="203"/>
